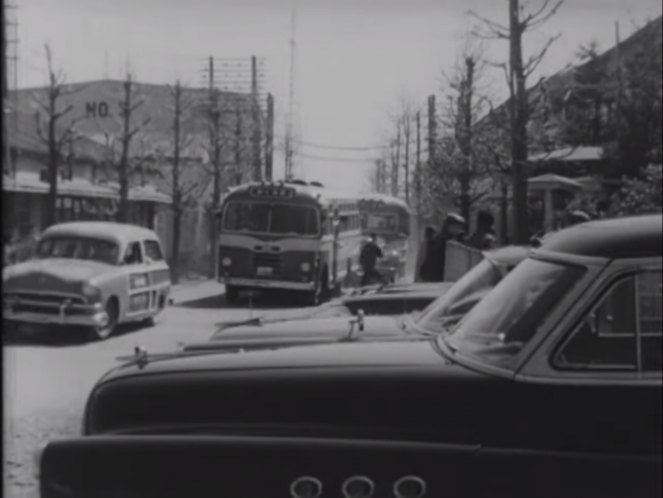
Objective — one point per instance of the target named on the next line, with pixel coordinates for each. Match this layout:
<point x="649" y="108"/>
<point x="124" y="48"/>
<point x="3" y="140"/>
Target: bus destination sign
<point x="272" y="191"/>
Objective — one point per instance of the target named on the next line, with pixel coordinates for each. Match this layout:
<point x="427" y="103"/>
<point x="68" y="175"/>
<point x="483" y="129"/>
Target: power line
<point x="336" y="159"/>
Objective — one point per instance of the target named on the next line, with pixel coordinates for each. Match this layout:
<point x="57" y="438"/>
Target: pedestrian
<point x="426" y="256"/>
<point x="453" y="228"/>
<point x="368" y="258"/>
<point x="484" y="236"/>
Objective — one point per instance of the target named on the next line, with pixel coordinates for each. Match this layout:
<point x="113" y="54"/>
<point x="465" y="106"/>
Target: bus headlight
<point x="305" y="266"/>
<point x="226" y="261"/>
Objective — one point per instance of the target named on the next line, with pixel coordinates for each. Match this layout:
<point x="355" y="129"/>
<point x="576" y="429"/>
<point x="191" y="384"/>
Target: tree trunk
<point x="519" y="130"/>
<point x="53" y="166"/>
<point x="175" y="263"/>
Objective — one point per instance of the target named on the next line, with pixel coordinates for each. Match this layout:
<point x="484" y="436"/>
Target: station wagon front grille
<point x="45" y="299"/>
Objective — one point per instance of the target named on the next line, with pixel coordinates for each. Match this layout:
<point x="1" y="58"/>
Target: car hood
<point x="333" y="328"/>
<point x="52" y="274"/>
<point x="295" y="387"/>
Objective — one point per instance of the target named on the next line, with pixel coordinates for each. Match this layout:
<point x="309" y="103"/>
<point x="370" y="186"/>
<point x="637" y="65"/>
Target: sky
<point x="355" y="60"/>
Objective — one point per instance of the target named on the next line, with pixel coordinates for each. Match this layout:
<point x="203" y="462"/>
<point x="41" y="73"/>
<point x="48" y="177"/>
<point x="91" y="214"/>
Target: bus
<point x="287" y="235"/>
<point x="390" y="219"/>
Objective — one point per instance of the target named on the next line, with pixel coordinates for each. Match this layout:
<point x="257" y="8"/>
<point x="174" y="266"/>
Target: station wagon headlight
<point x="305" y="266"/>
<point x="90" y="291"/>
<point x="226" y="261"/>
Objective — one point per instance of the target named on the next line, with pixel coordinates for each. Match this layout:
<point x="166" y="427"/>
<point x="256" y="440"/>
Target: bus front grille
<point x="266" y="265"/>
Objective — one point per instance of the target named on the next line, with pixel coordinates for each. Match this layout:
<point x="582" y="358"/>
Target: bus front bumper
<point x="268" y="284"/>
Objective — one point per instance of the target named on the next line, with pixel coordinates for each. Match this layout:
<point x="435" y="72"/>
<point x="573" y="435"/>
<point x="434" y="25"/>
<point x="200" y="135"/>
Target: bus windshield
<point x="381" y="222"/>
<point x="276" y="218"/>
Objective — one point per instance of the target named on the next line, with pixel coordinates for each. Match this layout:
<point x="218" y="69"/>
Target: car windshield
<point x="503" y="322"/>
<point x="278" y="218"/>
<point x="79" y="248"/>
<point x="463" y="295"/>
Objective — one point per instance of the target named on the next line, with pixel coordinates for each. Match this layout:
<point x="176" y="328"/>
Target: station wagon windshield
<point x="79" y="248"/>
<point x="503" y="322"/>
<point x="277" y="218"/>
<point x="460" y="298"/>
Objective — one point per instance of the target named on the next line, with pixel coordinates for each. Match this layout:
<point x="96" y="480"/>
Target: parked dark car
<point x="447" y="309"/>
<point x="549" y="387"/>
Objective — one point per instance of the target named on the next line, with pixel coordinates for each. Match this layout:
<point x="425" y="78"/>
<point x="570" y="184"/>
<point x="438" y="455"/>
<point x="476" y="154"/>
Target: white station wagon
<point x="92" y="274"/>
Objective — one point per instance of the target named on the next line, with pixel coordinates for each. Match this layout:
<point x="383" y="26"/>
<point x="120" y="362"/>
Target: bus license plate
<point x="265" y="271"/>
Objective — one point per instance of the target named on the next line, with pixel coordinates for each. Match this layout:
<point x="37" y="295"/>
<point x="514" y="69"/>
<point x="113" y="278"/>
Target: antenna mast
<point x="289" y="153"/>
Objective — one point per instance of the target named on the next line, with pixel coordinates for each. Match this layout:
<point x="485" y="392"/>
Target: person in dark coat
<point x="484" y="236"/>
<point x="368" y="258"/>
<point x="453" y="228"/>
<point x="426" y="257"/>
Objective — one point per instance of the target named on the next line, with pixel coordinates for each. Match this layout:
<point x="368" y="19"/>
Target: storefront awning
<point x="30" y="183"/>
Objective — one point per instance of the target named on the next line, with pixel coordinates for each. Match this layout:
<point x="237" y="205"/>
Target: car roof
<point x="628" y="237"/>
<point x="118" y="232"/>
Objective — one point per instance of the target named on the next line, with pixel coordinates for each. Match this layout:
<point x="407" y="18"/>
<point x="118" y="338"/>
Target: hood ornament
<point x="139" y="358"/>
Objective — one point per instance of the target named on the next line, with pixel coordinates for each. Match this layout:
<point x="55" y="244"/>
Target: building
<point x="88" y="187"/>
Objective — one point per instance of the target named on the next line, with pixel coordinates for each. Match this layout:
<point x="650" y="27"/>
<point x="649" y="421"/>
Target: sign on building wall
<point x="95" y="110"/>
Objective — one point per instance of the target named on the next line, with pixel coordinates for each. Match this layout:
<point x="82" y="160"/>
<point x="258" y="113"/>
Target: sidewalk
<point x="191" y="290"/>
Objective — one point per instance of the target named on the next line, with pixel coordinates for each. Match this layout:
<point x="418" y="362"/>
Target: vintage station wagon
<point x="92" y="274"/>
<point x="550" y="386"/>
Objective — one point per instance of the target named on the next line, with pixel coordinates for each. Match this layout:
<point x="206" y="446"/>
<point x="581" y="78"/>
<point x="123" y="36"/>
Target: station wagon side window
<point x="133" y="255"/>
<point x="622" y="332"/>
<point x="153" y="250"/>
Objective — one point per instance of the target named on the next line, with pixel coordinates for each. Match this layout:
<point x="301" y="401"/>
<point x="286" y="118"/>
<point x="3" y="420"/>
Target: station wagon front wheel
<point x="106" y="329"/>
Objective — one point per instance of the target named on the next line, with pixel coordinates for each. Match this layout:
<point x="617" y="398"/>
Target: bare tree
<point x="518" y="70"/>
<point x="127" y="106"/>
<point x="180" y="190"/>
<point x="213" y="149"/>
<point x="54" y="139"/>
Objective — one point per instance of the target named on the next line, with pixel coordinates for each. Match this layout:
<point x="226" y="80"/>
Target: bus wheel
<point x="232" y="294"/>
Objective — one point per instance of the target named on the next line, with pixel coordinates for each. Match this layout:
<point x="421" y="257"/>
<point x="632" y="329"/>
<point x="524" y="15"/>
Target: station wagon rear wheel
<point x="102" y="332"/>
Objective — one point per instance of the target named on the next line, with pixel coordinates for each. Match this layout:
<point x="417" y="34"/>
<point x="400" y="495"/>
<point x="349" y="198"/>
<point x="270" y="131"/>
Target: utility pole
<point x="519" y="107"/>
<point x="238" y="144"/>
<point x="269" y="132"/>
<point x="406" y="132"/>
<point x="215" y="146"/>
<point x="432" y="131"/>
<point x="289" y="125"/>
<point x="255" y="105"/>
<point x="464" y="135"/>
<point x="395" y="166"/>
<point x="8" y="110"/>
<point x="417" y="175"/>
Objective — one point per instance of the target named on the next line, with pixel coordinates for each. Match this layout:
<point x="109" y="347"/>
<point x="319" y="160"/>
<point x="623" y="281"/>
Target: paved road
<point x="47" y="381"/>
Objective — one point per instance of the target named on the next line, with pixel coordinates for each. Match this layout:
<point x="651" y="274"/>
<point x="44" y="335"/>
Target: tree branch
<point x="538" y="18"/>
<point x="534" y="61"/>
<point x="498" y="30"/>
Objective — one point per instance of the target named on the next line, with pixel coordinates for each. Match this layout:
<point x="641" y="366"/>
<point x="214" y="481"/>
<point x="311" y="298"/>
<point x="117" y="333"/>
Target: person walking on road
<point x="368" y="258"/>
<point x="483" y="237"/>
<point x="425" y="257"/>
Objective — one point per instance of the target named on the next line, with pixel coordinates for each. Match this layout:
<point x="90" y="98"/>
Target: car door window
<point x="133" y="254"/>
<point x="606" y="336"/>
<point x="622" y="331"/>
<point x="153" y="250"/>
<point x="650" y="308"/>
